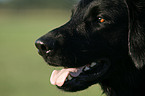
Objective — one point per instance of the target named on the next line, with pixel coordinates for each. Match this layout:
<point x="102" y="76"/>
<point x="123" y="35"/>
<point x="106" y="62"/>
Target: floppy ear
<point x="136" y="36"/>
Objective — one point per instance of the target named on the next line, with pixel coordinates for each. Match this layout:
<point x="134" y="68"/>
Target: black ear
<point x="136" y="36"/>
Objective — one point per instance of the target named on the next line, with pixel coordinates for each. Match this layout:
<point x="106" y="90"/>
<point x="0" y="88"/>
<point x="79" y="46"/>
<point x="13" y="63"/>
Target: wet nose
<point x="46" y="46"/>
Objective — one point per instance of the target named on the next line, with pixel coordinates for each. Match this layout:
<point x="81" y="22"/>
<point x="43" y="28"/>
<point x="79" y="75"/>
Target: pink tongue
<point x="58" y="77"/>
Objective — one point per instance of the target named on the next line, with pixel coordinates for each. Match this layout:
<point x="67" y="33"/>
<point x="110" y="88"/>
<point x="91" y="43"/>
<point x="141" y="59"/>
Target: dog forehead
<point x="88" y="4"/>
<point x="85" y="6"/>
<point x="84" y="3"/>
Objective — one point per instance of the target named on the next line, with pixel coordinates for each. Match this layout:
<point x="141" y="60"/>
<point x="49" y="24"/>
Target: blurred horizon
<point x="24" y="4"/>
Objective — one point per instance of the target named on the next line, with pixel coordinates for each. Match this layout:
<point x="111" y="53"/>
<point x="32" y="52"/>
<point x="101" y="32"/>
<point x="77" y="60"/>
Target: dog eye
<point x="101" y="20"/>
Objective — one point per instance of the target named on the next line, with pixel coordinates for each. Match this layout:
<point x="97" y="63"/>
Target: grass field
<point x="22" y="71"/>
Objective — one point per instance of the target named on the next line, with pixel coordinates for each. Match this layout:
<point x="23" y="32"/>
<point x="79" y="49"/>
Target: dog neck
<point x="129" y="84"/>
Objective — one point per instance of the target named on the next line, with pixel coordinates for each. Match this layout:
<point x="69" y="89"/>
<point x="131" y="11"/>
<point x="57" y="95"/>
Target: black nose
<point x="46" y="46"/>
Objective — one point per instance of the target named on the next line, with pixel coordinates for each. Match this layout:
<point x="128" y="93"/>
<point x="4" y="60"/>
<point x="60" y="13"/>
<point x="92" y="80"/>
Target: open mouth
<point x="87" y="73"/>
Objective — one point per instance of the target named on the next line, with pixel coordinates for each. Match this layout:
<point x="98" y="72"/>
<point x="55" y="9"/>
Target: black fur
<point x="119" y="40"/>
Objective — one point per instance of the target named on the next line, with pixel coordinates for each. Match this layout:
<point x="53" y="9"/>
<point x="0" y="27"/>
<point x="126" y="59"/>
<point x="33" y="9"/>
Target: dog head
<point x="92" y="47"/>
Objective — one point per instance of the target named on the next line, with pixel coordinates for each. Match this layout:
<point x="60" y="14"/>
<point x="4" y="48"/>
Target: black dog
<point x="104" y="42"/>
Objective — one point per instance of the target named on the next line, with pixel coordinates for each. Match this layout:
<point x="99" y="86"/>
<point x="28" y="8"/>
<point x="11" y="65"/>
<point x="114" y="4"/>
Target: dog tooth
<point x="93" y="64"/>
<point x="86" y="68"/>
<point x="69" y="77"/>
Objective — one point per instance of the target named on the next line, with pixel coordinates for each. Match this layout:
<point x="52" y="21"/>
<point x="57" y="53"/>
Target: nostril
<point x="47" y="46"/>
<point x="43" y="47"/>
<point x="40" y="45"/>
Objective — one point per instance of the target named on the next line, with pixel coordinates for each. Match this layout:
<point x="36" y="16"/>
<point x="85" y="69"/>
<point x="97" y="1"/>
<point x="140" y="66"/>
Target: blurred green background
<point x="22" y="71"/>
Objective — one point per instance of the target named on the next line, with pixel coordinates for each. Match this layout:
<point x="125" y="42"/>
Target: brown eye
<point x="101" y="20"/>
